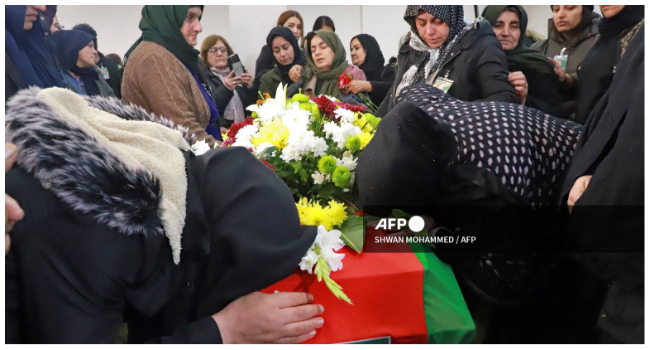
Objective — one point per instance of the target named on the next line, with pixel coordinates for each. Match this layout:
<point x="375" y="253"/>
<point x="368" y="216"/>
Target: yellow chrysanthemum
<point x="365" y="137"/>
<point x="312" y="213"/>
<point x="273" y="132"/>
<point x="363" y="123"/>
<point x="336" y="212"/>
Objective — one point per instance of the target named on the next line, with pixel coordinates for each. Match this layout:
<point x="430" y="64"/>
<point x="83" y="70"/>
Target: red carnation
<point x="234" y="129"/>
<point x="268" y="164"/>
<point x="344" y="80"/>
<point x="325" y="105"/>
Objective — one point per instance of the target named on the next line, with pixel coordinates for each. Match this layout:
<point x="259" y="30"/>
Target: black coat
<point x="476" y="64"/>
<point x="609" y="216"/>
<point x="114" y="79"/>
<point x="544" y="93"/>
<point x="13" y="80"/>
<point x="72" y="276"/>
<point x="381" y="81"/>
<point x="222" y="95"/>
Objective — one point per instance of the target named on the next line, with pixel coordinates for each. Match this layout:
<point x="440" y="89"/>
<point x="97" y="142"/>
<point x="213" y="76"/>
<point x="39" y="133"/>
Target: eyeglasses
<point x="58" y="26"/>
<point x="215" y="50"/>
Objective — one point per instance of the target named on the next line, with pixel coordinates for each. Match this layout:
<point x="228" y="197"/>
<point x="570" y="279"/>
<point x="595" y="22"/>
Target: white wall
<point x="246" y="26"/>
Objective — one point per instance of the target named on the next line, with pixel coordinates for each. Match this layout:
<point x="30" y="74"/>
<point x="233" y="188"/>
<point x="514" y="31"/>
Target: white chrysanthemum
<point x="346" y="116"/>
<point x="296" y="118"/>
<point x="318" y="146"/>
<point x="245" y="135"/>
<point x="200" y="147"/>
<point x="340" y="133"/>
<point x="348" y="162"/>
<point x="308" y="261"/>
<point x="319" y="177"/>
<point x="261" y="147"/>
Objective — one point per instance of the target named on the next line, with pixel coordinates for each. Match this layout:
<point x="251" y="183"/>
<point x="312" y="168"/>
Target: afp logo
<point x="415" y="224"/>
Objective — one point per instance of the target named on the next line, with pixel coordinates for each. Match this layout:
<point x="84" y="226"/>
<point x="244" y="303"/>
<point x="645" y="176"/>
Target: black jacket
<point x="114" y="79"/>
<point x="13" y="80"/>
<point x="81" y="264"/>
<point x="607" y="221"/>
<point x="476" y="64"/>
<point x="381" y="82"/>
<point x="221" y="95"/>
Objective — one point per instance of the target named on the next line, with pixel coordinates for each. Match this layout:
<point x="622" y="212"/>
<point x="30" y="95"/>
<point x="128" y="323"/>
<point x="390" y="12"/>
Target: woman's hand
<point x="270" y="318"/>
<point x="294" y="73"/>
<point x="518" y="80"/>
<point x="247" y="79"/>
<point x="559" y="71"/>
<point x="231" y="81"/>
<point x="223" y="130"/>
<point x="579" y="187"/>
<point x="357" y="86"/>
<point x="13" y="211"/>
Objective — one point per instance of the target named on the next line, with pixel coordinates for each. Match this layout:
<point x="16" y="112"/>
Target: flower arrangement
<point x="313" y="146"/>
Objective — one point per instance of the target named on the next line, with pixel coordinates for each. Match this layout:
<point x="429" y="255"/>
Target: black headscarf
<point x="627" y="18"/>
<point x="288" y="36"/>
<point x="30" y="51"/>
<point x="162" y="25"/>
<point x="520" y="58"/>
<point x="69" y="43"/>
<point x="374" y="61"/>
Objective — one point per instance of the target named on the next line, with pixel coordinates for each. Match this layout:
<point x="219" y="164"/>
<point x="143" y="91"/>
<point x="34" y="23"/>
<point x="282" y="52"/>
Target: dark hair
<point x="115" y="58"/>
<point x="86" y="28"/>
<point x="323" y="21"/>
<point x="392" y="61"/>
<point x="284" y="17"/>
<point x="514" y="9"/>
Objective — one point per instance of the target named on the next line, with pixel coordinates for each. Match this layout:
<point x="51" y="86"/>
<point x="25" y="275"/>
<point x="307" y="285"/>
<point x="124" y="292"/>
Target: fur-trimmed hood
<point x="90" y="172"/>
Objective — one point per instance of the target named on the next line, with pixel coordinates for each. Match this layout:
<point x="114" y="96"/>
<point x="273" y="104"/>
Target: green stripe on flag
<point x="445" y="311"/>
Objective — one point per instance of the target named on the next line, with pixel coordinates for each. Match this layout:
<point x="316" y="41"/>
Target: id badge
<point x="443" y="84"/>
<point x="562" y="59"/>
<point x="104" y="71"/>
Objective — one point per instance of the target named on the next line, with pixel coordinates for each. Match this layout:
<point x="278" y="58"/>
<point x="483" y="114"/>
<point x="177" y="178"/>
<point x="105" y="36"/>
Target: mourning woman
<point x="463" y="59"/>
<point x="366" y="54"/>
<point x="597" y="70"/>
<point x="124" y="223"/>
<point x="531" y="73"/>
<point x="77" y="56"/>
<point x="231" y="93"/>
<point x="326" y="61"/>
<point x="285" y="49"/>
<point x="30" y="54"/>
<point x="161" y="74"/>
<point x="292" y="20"/>
<point x="572" y="31"/>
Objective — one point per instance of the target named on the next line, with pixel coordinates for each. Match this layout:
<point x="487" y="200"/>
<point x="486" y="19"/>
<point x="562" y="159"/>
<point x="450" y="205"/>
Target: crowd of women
<point x="588" y="71"/>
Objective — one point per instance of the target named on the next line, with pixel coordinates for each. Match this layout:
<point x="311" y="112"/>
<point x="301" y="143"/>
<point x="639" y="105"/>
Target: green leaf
<point x="352" y="232"/>
<point x="401" y="214"/>
<point x="296" y="167"/>
<point x="328" y="190"/>
<point x="267" y="152"/>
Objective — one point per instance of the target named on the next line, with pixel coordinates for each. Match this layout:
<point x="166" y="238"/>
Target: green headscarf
<point x="330" y="78"/>
<point x="520" y="58"/>
<point x="162" y="24"/>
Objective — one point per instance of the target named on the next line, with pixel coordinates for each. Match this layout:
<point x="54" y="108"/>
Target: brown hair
<point x="284" y="17"/>
<point x="210" y="42"/>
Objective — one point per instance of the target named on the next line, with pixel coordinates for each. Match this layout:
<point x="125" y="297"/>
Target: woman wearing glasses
<point x="231" y="93"/>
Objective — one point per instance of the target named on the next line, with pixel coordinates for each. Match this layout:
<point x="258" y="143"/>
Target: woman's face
<point x="566" y="17"/>
<point x="192" y="25"/>
<point x="87" y="56"/>
<point x="218" y="55"/>
<point x="610" y="11"/>
<point x="31" y="14"/>
<point x="282" y="50"/>
<point x="507" y="30"/>
<point x="295" y="25"/>
<point x="433" y="30"/>
<point x="322" y="55"/>
<point x="357" y="52"/>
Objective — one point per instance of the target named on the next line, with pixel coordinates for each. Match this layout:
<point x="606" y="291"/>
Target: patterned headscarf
<point x="427" y="61"/>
